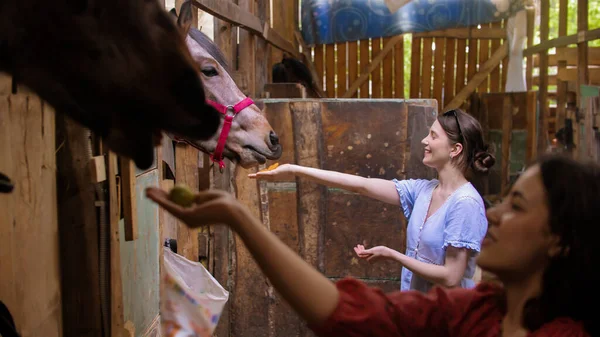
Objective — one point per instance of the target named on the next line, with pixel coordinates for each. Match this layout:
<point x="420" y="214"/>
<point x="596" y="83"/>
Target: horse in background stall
<point x="292" y="70"/>
<point x="119" y="67"/>
<point x="250" y="139"/>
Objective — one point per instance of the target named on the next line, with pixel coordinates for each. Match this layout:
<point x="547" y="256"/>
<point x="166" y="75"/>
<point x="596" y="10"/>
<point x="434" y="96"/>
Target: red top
<point x="365" y="311"/>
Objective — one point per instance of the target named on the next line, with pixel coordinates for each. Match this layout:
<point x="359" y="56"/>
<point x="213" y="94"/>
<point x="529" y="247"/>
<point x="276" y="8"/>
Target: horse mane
<point x="205" y="42"/>
<point x="291" y="69"/>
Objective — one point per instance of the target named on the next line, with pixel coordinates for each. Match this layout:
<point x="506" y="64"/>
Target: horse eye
<point x="210" y="71"/>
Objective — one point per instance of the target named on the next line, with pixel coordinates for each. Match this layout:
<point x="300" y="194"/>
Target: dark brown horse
<point x="292" y="70"/>
<point x="119" y="67"/>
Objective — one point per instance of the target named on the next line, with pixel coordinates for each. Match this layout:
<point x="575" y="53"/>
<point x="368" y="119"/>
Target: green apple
<point x="182" y="195"/>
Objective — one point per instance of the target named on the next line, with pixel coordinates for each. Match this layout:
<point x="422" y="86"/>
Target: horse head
<point x="121" y="68"/>
<point x="251" y="138"/>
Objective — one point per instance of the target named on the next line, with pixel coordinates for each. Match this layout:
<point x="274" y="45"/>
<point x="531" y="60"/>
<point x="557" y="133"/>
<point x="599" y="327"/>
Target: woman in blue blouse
<point x="446" y="216"/>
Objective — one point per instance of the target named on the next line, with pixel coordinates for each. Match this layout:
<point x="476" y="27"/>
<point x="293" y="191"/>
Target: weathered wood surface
<point x="377" y="139"/>
<point x="29" y="253"/>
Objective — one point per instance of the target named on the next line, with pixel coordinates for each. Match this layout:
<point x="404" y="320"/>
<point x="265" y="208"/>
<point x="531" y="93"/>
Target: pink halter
<point x="217" y="156"/>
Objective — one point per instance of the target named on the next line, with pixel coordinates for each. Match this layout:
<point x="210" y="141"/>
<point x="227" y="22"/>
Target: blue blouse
<point x="460" y="222"/>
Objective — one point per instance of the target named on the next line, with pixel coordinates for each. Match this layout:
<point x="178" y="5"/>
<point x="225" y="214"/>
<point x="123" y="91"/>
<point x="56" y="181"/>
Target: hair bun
<point x="483" y="161"/>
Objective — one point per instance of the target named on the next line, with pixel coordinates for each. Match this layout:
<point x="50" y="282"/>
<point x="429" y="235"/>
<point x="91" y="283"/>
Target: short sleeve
<point x="408" y="191"/>
<point x="466" y="224"/>
<point x="366" y="311"/>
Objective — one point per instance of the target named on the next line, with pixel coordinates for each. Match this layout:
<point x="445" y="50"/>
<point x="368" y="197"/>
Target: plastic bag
<point x="191" y="299"/>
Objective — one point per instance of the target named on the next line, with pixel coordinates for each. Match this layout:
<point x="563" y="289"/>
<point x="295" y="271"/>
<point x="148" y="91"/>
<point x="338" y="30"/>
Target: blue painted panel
<point x="139" y="260"/>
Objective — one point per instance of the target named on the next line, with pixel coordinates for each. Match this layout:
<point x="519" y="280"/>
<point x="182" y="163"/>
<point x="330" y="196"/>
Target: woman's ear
<point x="555" y="248"/>
<point x="456" y="150"/>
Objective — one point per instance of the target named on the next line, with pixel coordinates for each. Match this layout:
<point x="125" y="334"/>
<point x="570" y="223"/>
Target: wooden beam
<point x="487" y="68"/>
<point x="369" y="68"/>
<point x="129" y="198"/>
<point x="234" y="14"/>
<point x="317" y="81"/>
<point x="582" y="36"/>
<point x="467" y="33"/>
<point x="117" y="321"/>
<point x="583" y="76"/>
<point x="507" y="116"/>
<point x="569" y="55"/>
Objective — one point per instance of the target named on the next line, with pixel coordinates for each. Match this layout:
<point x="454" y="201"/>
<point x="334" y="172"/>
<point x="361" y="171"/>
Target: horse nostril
<point x="273" y="138"/>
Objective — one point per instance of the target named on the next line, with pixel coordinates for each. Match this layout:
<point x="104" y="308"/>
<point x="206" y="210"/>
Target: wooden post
<point x="543" y="86"/>
<point x="506" y="141"/>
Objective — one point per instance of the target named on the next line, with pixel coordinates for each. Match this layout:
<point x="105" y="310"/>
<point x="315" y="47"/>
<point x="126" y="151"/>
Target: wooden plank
<point x="563" y="41"/>
<point x="561" y="97"/>
<point x="78" y="226"/>
<point x="495" y="79"/>
<point x="466" y="33"/>
<point x="543" y="86"/>
<point x="387" y="74"/>
<point x="365" y="59"/>
<point x="531" y="151"/>
<point x="415" y="68"/>
<point x="570" y="55"/>
<point x="370" y="67"/>
<point x="449" y="68"/>
<point x="426" y="68"/>
<point x="330" y="70"/>
<point x="399" y="70"/>
<point x="234" y="14"/>
<point x="116" y="283"/>
<point x="306" y="118"/>
<point x="129" y="200"/>
<point x="472" y="63"/>
<point x="186" y="162"/>
<point x="285" y="90"/>
<point x="493" y="62"/>
<point x="376" y="72"/>
<point x="30" y="281"/>
<point x="262" y="49"/>
<point x="530" y="31"/>
<point x="461" y="63"/>
<point x="352" y="65"/>
<point x="583" y="76"/>
<point x="438" y="70"/>
<point x="504" y="72"/>
<point x="319" y="56"/>
<point x="484" y="55"/>
<point x="342" y="67"/>
<point x="507" y="113"/>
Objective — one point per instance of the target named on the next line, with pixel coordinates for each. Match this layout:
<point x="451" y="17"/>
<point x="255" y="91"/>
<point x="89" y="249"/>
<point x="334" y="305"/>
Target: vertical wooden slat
<point x="353" y="64"/>
<point x="129" y="199"/>
<point x="449" y="67"/>
<point x="438" y="70"/>
<point x="484" y="55"/>
<point x="426" y="70"/>
<point x="376" y="73"/>
<point x="415" y="68"/>
<point x="472" y="64"/>
<point x="342" y="68"/>
<point x="531" y="151"/>
<point x="365" y="59"/>
<point x="461" y="64"/>
<point x="330" y="70"/>
<point x="530" y="31"/>
<point x="387" y="84"/>
<point x="543" y="90"/>
<point x="399" y="69"/>
<point x="507" y="109"/>
<point x="561" y="95"/>
<point x="495" y="74"/>
<point x="319" y="54"/>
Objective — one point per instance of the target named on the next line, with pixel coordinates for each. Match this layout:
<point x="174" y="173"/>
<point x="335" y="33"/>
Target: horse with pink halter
<point x="244" y="134"/>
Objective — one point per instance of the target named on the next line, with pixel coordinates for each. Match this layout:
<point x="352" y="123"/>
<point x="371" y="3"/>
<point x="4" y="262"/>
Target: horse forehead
<point x="196" y="49"/>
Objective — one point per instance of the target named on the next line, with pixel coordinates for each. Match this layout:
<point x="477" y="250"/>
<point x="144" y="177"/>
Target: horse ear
<point x="184" y="21"/>
<point x="173" y="13"/>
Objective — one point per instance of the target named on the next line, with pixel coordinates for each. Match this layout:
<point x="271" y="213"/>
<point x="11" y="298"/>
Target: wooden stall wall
<point x="30" y="282"/>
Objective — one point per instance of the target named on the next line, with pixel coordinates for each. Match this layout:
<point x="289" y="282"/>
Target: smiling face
<point x="519" y="241"/>
<point x="439" y="150"/>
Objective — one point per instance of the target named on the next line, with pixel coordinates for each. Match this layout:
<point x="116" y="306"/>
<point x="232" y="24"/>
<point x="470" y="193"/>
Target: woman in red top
<point x="540" y="244"/>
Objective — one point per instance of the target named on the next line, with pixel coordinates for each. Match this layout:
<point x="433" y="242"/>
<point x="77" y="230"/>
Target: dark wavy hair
<point x="570" y="283"/>
<point x="465" y="129"/>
